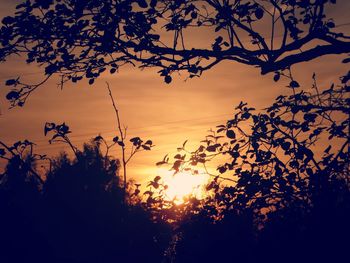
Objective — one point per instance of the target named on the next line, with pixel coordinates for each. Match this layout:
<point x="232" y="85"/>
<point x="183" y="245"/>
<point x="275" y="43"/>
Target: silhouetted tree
<point x="287" y="165"/>
<point x="89" y="220"/>
<point x="22" y="232"/>
<point x="77" y="214"/>
<point x="82" y="39"/>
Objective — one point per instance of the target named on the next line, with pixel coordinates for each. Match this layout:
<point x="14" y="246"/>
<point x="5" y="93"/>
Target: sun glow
<point x="184" y="184"/>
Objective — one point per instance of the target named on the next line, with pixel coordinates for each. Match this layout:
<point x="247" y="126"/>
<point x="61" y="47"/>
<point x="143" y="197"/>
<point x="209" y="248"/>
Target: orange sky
<point x="166" y="114"/>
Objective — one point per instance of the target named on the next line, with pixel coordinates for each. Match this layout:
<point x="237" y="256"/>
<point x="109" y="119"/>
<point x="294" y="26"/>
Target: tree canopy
<point x="81" y="39"/>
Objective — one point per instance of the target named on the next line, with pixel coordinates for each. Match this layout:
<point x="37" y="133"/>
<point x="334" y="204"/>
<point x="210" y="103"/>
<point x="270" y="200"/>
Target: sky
<point x="151" y="109"/>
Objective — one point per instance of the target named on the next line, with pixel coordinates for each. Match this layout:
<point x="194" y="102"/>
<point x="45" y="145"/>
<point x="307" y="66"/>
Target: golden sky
<point x="166" y="114"/>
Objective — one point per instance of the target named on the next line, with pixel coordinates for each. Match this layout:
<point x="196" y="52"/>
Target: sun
<point x="184" y="184"/>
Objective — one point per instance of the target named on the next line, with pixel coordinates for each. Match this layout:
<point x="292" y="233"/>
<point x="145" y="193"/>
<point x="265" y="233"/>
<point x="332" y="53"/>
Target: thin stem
<point x="122" y="136"/>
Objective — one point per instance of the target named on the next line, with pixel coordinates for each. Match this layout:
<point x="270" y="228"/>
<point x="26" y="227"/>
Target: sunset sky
<point x="151" y="109"/>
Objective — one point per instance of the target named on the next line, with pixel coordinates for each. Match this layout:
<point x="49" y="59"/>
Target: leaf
<point x="176" y="165"/>
<point x="121" y="144"/>
<point x="194" y="15"/>
<point x="330" y="24"/>
<point x="146" y="147"/>
<point x="222" y="169"/>
<point x="231" y="134"/>
<point x="115" y="139"/>
<point x="50" y="69"/>
<point x="177" y="156"/>
<point x="277" y="76"/>
<point x="286" y="145"/>
<point x="136" y="141"/>
<point x="328" y="149"/>
<point x="8" y="20"/>
<point x="259" y="13"/>
<point x="142" y="3"/>
<point x="149" y="142"/>
<point x="10" y="82"/>
<point x="294" y="84"/>
<point x="347" y="60"/>
<point x="49" y="127"/>
<point x="246" y="115"/>
<point x="157" y="178"/>
<point x="153" y="3"/>
<point x="219" y="39"/>
<point x="91" y="81"/>
<point x="212" y="148"/>
<point x="168" y="79"/>
<point x="63" y="128"/>
<point x="12" y="95"/>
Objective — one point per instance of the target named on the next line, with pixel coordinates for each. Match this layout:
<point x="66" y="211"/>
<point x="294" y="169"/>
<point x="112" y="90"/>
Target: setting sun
<point x="183" y="184"/>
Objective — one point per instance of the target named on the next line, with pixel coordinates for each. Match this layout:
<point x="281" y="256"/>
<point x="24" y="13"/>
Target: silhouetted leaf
<point x="330" y="24"/>
<point x="176" y="165"/>
<point x="157" y="178"/>
<point x="259" y="13"/>
<point x="177" y="156"/>
<point x="285" y="146"/>
<point x="12" y="95"/>
<point x="146" y="147"/>
<point x="10" y="82"/>
<point x="142" y="3"/>
<point x="49" y="126"/>
<point x="294" y="84"/>
<point x="149" y="142"/>
<point x="168" y="79"/>
<point x="231" y="134"/>
<point x="50" y="69"/>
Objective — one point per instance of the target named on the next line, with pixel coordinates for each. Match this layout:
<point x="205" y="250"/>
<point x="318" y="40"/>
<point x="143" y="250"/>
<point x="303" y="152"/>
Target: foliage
<point x="77" y="214"/>
<point x="281" y="188"/>
<point x="61" y="132"/>
<point x="284" y="172"/>
<point x="83" y="39"/>
<point x="272" y="156"/>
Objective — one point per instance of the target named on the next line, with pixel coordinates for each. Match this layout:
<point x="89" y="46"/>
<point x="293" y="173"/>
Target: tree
<point x="77" y="214"/>
<point x="82" y="39"/>
<point x="276" y="159"/>
<point x="20" y="205"/>
<point x="287" y="166"/>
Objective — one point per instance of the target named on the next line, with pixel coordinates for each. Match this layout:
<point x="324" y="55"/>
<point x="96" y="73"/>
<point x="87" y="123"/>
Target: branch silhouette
<point x="76" y="40"/>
